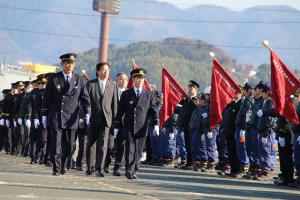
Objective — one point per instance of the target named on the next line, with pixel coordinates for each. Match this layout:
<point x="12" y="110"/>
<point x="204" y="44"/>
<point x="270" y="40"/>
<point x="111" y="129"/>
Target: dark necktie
<point x="138" y="93"/>
<point x="67" y="83"/>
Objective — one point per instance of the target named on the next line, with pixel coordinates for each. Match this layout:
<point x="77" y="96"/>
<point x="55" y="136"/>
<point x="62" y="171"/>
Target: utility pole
<point x="106" y="8"/>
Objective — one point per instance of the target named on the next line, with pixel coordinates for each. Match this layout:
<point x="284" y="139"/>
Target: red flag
<point x="284" y="83"/>
<point x="173" y="94"/>
<point x="223" y="90"/>
<point x="130" y="82"/>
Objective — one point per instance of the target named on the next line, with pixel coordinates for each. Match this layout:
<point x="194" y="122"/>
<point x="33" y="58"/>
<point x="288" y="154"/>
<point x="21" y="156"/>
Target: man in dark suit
<point x="103" y="96"/>
<point x="135" y="108"/>
<point x="63" y="92"/>
<point x="121" y="85"/>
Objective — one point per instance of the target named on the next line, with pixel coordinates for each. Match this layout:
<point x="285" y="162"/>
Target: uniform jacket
<point x="229" y="115"/>
<point x="241" y="117"/>
<point x="264" y="123"/>
<point x="296" y="127"/>
<point x="22" y="109"/>
<point x="188" y="107"/>
<point x="62" y="103"/>
<point x="254" y="118"/>
<point x="16" y="105"/>
<point x="39" y="101"/>
<point x="136" y="112"/>
<point x="31" y="102"/>
<point x="8" y="105"/>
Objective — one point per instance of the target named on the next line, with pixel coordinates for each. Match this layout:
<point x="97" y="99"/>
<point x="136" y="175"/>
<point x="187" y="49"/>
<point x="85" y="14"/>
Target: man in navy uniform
<point x="136" y="105"/>
<point x="63" y="92"/>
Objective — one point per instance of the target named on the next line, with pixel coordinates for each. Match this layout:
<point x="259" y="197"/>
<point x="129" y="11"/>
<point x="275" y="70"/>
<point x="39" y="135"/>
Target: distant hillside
<point x="185" y="62"/>
<point x="132" y="26"/>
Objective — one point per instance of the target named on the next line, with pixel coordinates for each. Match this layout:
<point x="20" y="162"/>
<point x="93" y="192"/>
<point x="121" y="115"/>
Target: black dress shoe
<point x="73" y="164"/>
<point x="63" y="172"/>
<point x="55" y="174"/>
<point x="79" y="168"/>
<point x="89" y="171"/>
<point x="99" y="173"/>
<point x="128" y="175"/>
<point x="106" y="170"/>
<point x="134" y="176"/>
<point x="48" y="164"/>
<point x="116" y="173"/>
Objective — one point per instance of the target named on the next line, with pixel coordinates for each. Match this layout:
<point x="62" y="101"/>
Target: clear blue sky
<point x="234" y="4"/>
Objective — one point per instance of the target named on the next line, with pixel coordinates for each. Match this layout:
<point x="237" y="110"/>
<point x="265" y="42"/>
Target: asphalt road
<point x="21" y="180"/>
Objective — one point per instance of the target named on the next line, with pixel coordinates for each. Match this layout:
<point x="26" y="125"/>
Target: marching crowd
<point x="66" y="121"/>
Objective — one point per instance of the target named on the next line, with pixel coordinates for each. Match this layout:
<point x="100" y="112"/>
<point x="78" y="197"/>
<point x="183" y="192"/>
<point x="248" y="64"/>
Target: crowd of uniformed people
<point x="66" y="121"/>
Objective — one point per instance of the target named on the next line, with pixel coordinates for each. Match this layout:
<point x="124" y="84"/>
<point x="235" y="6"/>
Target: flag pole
<point x="133" y="62"/>
<point x="85" y="74"/>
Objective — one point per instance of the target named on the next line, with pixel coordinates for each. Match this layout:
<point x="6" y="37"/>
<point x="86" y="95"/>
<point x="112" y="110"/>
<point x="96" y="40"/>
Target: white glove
<point x="20" y="122"/>
<point x="44" y="121"/>
<point x="81" y="120"/>
<point x="7" y="123"/>
<point x="156" y="130"/>
<point x="28" y="123"/>
<point x="281" y="141"/>
<point x="116" y="132"/>
<point x="203" y="138"/>
<point x="204" y="115"/>
<point x="260" y="113"/>
<point x="264" y="140"/>
<point x="298" y="140"/>
<point x="36" y="123"/>
<point x="242" y="133"/>
<point x="87" y="119"/>
<point x="172" y="136"/>
<point x="1" y="122"/>
<point x="209" y="135"/>
<point x="175" y="131"/>
<point x="15" y="124"/>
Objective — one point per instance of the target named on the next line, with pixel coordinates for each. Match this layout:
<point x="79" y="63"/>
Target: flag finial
<point x="266" y="44"/>
<point x="212" y="55"/>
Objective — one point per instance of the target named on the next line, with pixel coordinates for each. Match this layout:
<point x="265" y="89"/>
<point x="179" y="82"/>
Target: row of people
<point x="44" y="118"/>
<point x="63" y="104"/>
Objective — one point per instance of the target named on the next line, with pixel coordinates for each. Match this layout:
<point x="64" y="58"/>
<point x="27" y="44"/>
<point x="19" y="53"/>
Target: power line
<point x="152" y="19"/>
<point x="48" y="33"/>
<point x="134" y="41"/>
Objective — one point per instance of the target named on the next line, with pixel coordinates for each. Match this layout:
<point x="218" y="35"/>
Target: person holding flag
<point x="168" y="143"/>
<point x="285" y="83"/>
<point x="210" y="134"/>
<point x="266" y="136"/>
<point x="171" y="119"/>
<point x="224" y="103"/>
<point x="251" y="126"/>
<point x="241" y="133"/>
<point x="296" y="143"/>
<point x="184" y="136"/>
